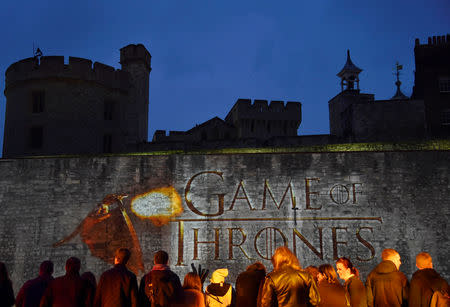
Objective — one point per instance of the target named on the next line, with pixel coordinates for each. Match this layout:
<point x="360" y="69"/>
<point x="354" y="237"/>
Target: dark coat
<point x="356" y="292"/>
<point x="157" y="277"/>
<point x="31" y="293"/>
<point x="66" y="291"/>
<point x="387" y="286"/>
<point x="117" y="288"/>
<point x="6" y="294"/>
<point x="247" y="287"/>
<point x="331" y="294"/>
<point x="289" y="287"/>
<point x="423" y="284"/>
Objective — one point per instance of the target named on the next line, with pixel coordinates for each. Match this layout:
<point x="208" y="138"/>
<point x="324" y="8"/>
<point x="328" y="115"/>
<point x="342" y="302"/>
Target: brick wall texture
<point x="351" y="204"/>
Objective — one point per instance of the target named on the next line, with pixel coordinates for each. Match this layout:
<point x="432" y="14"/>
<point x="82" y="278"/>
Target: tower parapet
<point x="54" y="67"/>
<point x="135" y="53"/>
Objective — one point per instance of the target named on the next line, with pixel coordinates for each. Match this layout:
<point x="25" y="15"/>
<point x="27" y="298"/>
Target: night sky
<point x="207" y="54"/>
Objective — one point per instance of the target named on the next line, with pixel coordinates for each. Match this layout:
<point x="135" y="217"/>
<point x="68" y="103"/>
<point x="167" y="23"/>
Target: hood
<point x="385" y="267"/>
<point x="218" y="277"/>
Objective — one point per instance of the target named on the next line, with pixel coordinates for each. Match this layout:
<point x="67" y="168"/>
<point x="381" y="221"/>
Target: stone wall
<point x="350" y="204"/>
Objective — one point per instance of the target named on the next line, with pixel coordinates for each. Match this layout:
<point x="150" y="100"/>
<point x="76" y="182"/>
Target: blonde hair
<point x="284" y="256"/>
<point x="192" y="281"/>
<point x="388" y="253"/>
<point x="423" y="260"/>
<point x="328" y="273"/>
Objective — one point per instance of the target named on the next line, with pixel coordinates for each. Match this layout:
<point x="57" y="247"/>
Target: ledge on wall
<point x="432" y="145"/>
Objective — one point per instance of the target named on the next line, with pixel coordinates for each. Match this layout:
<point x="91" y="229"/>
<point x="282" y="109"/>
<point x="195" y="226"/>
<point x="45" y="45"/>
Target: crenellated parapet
<point x="51" y="67"/>
<point x="262" y="109"/>
<point x="435" y="40"/>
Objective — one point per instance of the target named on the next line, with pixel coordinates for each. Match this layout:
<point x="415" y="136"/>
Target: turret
<point x="349" y="74"/>
<point x="136" y="60"/>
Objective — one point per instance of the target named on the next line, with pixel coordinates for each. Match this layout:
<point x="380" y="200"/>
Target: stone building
<point x="76" y="108"/>
<point x="358" y="117"/>
<point x="248" y="123"/>
<point x="432" y="83"/>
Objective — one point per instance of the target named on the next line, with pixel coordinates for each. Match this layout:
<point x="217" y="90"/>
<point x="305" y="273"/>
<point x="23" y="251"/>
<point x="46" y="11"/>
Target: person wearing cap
<point x="219" y="293"/>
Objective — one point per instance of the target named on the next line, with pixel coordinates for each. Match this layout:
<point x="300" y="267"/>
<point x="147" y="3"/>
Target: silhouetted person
<point x="6" y="290"/>
<point x="248" y="284"/>
<point x="386" y="285"/>
<point x="31" y="293"/>
<point x="220" y="293"/>
<point x="425" y="282"/>
<point x="356" y="292"/>
<point x="68" y="290"/>
<point x="288" y="284"/>
<point x="160" y="286"/>
<point x="192" y="295"/>
<point x="91" y="283"/>
<point x="332" y="293"/>
<point x="117" y="287"/>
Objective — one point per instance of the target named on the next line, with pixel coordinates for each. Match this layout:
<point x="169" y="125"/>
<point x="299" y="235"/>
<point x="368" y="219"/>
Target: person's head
<point x="345" y="268"/>
<point x="283" y="256"/>
<point x="424" y="261"/>
<point x="3" y="273"/>
<point x="46" y="268"/>
<point x="73" y="265"/>
<point x="90" y="277"/>
<point x="161" y="257"/>
<point x="328" y="274"/>
<point x="391" y="255"/>
<point x="314" y="271"/>
<point x="218" y="276"/>
<point x="122" y="256"/>
<point x="192" y="281"/>
<point x="257" y="266"/>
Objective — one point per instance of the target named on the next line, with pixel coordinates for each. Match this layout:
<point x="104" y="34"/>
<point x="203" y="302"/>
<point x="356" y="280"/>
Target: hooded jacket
<point x="423" y="284"/>
<point x="386" y="286"/>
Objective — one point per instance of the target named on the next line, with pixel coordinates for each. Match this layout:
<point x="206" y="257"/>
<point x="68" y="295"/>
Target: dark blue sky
<point x="206" y="54"/>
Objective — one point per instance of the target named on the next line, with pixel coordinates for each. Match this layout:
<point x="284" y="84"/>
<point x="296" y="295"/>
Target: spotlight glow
<point x="159" y="205"/>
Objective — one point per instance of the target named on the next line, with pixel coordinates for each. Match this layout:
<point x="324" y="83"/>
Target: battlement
<point x="78" y="68"/>
<point x="260" y="109"/>
<point x="435" y="41"/>
<point x="263" y="105"/>
<point x="135" y="53"/>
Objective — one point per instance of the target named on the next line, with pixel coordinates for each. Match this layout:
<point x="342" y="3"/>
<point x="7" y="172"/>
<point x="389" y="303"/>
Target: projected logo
<point x="109" y="227"/>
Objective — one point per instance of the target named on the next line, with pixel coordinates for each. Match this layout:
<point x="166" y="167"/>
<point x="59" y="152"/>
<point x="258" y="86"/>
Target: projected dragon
<point x="108" y="226"/>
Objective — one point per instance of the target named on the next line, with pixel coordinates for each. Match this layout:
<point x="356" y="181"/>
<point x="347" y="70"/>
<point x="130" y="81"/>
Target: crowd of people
<point x="286" y="285"/>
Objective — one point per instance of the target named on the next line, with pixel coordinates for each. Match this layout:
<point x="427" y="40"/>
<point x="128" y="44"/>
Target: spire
<point x="349" y="75"/>
<point x="398" y="95"/>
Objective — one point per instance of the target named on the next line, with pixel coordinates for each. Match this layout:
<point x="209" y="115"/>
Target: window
<point x="38" y="98"/>
<point x="108" y="110"/>
<point x="36" y="137"/>
<point x="444" y="85"/>
<point x="107" y="143"/>
<point x="445" y="117"/>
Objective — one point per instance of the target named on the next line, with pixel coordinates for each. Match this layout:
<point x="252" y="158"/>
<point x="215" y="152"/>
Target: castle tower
<point x="349" y="74"/>
<point x="55" y="108"/>
<point x="136" y="60"/>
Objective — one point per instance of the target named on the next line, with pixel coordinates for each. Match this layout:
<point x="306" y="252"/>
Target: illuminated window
<point x="38" y="99"/>
<point x="36" y="137"/>
<point x="444" y="85"/>
<point x="107" y="143"/>
<point x="108" y="110"/>
<point x="445" y="117"/>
